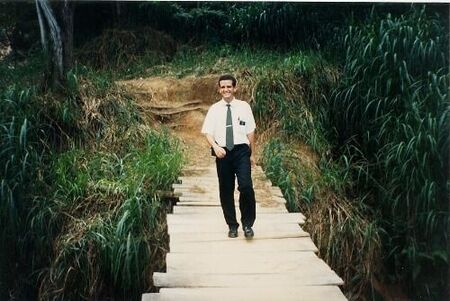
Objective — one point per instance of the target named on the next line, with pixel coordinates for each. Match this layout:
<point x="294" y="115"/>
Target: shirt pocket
<point x="242" y="126"/>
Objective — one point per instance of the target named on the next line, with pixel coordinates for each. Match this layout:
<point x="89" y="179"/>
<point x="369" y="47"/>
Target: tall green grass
<point x="20" y="158"/>
<point x="111" y="220"/>
<point x="80" y="213"/>
<point x="272" y="25"/>
<point x="344" y="229"/>
<point x="127" y="53"/>
<point x="391" y="113"/>
<point x="294" y="95"/>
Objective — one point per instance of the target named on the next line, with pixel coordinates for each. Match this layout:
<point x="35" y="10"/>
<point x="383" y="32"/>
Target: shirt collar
<point x="231" y="102"/>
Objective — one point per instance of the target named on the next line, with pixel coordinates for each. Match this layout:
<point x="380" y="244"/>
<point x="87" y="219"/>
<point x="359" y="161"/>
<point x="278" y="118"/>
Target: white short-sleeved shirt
<point x="241" y="115"/>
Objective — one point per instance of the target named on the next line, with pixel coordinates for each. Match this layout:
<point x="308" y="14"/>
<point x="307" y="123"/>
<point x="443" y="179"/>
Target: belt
<point x="236" y="146"/>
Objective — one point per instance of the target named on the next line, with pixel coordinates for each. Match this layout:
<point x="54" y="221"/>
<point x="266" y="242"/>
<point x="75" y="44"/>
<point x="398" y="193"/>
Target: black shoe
<point x="233" y="232"/>
<point x="248" y="232"/>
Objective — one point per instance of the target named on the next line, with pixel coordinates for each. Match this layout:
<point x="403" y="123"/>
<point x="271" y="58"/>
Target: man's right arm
<point x="219" y="151"/>
<point x="207" y="129"/>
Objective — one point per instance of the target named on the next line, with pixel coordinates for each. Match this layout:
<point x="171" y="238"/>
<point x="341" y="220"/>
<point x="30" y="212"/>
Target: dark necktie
<point x="229" y="141"/>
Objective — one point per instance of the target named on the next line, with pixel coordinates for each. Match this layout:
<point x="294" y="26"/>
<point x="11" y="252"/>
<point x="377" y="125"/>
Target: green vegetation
<point x="389" y="112"/>
<point x="347" y="235"/>
<point x="20" y="157"/>
<point x="352" y="118"/>
<point x="79" y="189"/>
<point x="128" y="52"/>
<point x="391" y="115"/>
<point x="112" y="230"/>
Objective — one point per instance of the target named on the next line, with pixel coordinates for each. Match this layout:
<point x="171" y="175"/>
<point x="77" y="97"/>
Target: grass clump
<point x="111" y="220"/>
<point x="347" y="235"/>
<point x="125" y="52"/>
<point x="22" y="147"/>
<point x="93" y="112"/>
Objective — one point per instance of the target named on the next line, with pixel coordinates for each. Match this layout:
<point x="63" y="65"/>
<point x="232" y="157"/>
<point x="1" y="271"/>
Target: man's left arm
<point x="251" y="133"/>
<point x="251" y="139"/>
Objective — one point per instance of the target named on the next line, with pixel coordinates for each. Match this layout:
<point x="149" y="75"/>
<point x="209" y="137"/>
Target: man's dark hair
<point x="228" y="77"/>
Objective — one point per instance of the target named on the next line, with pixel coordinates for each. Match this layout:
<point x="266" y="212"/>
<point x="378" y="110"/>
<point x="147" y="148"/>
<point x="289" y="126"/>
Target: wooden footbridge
<point x="279" y="263"/>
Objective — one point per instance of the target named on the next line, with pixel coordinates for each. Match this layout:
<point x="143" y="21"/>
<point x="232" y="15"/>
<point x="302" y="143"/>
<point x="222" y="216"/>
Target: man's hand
<point x="251" y="139"/>
<point x="219" y="151"/>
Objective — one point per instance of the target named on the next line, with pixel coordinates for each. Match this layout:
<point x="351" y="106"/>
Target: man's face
<point x="226" y="89"/>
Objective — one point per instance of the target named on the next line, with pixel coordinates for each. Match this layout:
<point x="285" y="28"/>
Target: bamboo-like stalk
<point x="393" y="107"/>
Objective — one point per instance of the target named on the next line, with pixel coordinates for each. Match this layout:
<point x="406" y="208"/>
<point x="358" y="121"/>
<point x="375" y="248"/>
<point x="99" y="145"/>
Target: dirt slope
<point x="181" y="105"/>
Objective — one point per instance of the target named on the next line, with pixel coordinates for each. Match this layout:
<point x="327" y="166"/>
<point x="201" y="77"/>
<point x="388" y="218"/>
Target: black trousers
<point x="236" y="163"/>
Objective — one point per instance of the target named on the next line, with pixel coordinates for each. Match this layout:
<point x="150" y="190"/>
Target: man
<point x="229" y="128"/>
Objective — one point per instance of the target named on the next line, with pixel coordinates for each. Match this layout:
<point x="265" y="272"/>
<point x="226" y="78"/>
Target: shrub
<point x="112" y="221"/>
<point x="391" y="113"/>
<point x="345" y="231"/>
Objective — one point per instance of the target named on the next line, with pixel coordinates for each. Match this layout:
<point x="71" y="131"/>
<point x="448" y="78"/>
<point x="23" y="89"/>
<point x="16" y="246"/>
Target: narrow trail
<point x="279" y="263"/>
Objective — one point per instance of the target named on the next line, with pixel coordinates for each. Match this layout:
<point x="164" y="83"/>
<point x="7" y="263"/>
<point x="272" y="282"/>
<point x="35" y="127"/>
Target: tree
<point x="60" y="59"/>
<point x="67" y="21"/>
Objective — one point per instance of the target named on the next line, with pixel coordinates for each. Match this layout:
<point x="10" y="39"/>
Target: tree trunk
<point x="67" y="24"/>
<point x="47" y="21"/>
<point x="447" y="234"/>
<point x="60" y="61"/>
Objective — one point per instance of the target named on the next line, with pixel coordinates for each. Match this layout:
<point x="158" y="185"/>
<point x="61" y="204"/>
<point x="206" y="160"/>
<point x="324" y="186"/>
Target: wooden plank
<point x="151" y="297"/>
<point x="222" y="227"/>
<point x="200" y="168"/>
<point x="279" y="199"/>
<point x="210" y="185"/>
<point x="198" y="178"/>
<point x="194" y="188"/>
<point x="197" y="196"/>
<point x="199" y="190"/>
<point x="202" y="195"/>
<point x="217" y="210"/>
<point x="206" y="192"/>
<point x="208" y="180"/>
<point x="189" y="279"/>
<point x="215" y="198"/>
<point x="276" y="191"/>
<point x="200" y="198"/>
<point x="220" y="236"/>
<point x="305" y="293"/>
<point x="199" y="203"/>
<point x="258" y="263"/>
<point x="187" y="186"/>
<point x="243" y="246"/>
<point x="212" y="218"/>
<point x="204" y="220"/>
<point x="210" y="202"/>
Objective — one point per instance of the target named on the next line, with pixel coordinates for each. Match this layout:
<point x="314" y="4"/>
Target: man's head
<point x="228" y="77"/>
<point x="227" y="87"/>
